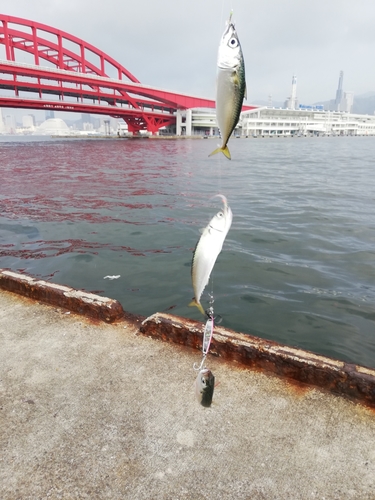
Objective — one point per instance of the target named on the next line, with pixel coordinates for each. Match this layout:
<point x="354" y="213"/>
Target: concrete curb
<point x="353" y="381"/>
<point x="87" y="304"/>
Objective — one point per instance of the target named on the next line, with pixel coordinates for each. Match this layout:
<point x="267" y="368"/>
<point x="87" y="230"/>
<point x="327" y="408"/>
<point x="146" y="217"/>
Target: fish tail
<point x="224" y="150"/>
<point x="197" y="304"/>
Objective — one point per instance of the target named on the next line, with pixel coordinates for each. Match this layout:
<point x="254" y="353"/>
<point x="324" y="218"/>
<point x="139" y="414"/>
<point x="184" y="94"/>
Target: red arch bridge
<point x="69" y="74"/>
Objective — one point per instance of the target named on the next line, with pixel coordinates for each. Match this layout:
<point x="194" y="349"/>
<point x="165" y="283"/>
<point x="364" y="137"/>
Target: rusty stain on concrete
<point x="96" y="410"/>
<point x="336" y="376"/>
<point x="353" y="381"/>
<point x="87" y="304"/>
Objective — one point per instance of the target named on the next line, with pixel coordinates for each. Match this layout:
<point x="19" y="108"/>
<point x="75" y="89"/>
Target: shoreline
<point x="196" y="137"/>
<point x="173" y="137"/>
<point x="294" y="364"/>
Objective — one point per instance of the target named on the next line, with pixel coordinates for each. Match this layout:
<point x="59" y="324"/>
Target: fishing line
<point x="222" y="14"/>
<point x="209" y="325"/>
<point x="219" y="183"/>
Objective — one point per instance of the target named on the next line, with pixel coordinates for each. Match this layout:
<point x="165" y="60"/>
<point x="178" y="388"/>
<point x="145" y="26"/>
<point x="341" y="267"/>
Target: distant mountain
<point x="366" y="94"/>
<point x="364" y="105"/>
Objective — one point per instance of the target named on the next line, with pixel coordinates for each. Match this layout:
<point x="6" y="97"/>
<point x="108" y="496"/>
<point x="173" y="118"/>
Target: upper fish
<point x="231" y="85"/>
<point x="207" y="250"/>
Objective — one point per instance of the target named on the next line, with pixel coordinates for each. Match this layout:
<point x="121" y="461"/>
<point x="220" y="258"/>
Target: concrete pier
<point x="91" y="409"/>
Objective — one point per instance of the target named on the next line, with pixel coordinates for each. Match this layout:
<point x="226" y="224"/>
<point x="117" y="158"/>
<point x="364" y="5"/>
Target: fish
<point x="204" y="387"/>
<point x="231" y="85"/>
<point x="207" y="250"/>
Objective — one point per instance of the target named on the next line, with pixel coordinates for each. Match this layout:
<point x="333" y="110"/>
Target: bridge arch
<point x="34" y="38"/>
<point x="77" y="79"/>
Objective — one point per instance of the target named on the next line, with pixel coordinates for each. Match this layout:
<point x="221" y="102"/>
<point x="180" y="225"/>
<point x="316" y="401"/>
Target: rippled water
<point x="298" y="265"/>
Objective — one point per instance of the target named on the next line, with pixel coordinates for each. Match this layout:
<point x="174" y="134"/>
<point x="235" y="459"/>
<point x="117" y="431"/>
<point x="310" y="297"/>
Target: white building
<point x="28" y="122"/>
<point x="2" y="125"/>
<point x="9" y="124"/>
<point x="197" y="121"/>
<point x="348" y="102"/>
<point x="265" y="121"/>
<point x="53" y="126"/>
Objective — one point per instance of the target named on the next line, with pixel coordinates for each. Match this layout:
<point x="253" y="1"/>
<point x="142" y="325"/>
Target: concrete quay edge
<point x="80" y="302"/>
<point x="347" y="379"/>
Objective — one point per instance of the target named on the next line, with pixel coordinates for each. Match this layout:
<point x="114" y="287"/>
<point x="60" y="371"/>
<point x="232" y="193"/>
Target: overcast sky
<point x="173" y="44"/>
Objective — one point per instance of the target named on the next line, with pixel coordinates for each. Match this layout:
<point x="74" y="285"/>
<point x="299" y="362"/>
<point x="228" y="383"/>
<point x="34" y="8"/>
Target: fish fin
<point x="225" y="152"/>
<point x="235" y="79"/>
<point x="217" y="150"/>
<point x="196" y="304"/>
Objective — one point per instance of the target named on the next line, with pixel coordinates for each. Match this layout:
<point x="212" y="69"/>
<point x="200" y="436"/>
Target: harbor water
<point x="297" y="266"/>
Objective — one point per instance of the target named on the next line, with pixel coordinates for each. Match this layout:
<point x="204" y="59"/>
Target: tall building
<point x="293" y="97"/>
<point x="2" y="126"/>
<point x="86" y="117"/>
<point x="292" y="102"/>
<point x="28" y="121"/>
<point x="348" y="102"/>
<point x="339" y="93"/>
<point x="50" y="114"/>
<point x="10" y="124"/>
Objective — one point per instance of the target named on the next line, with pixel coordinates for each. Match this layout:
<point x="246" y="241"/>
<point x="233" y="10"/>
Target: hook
<point x="199" y="368"/>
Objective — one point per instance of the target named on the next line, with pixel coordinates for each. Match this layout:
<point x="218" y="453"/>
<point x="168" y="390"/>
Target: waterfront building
<point x="265" y="121"/>
<point x="198" y="121"/>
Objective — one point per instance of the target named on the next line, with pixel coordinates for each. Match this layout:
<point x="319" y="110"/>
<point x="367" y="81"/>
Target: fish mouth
<point x="223" y="199"/>
<point x="230" y="26"/>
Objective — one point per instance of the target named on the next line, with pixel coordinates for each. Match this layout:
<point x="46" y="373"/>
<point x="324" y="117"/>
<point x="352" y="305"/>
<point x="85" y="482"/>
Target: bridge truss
<point x="68" y="74"/>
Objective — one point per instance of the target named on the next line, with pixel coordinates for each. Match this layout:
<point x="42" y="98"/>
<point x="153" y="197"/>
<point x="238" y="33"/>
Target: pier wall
<point x="351" y="380"/>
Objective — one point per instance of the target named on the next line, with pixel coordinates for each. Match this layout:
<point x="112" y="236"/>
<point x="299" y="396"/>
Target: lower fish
<point x="204" y="387"/>
<point x="207" y="250"/>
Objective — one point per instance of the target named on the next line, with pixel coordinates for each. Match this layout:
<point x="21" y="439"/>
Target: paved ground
<point x="96" y="411"/>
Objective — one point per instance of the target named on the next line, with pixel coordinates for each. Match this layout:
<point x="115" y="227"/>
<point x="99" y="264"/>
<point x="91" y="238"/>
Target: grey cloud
<point x="173" y="44"/>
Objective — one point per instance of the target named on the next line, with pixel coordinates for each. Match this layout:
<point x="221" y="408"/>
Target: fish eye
<point x="220" y="214"/>
<point x="233" y="42"/>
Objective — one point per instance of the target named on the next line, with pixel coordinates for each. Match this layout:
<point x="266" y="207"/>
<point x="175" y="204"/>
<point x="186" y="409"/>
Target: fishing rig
<point x="207" y="333"/>
<point x="207" y="337"/>
<point x="203" y="265"/>
<point x="205" y="380"/>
